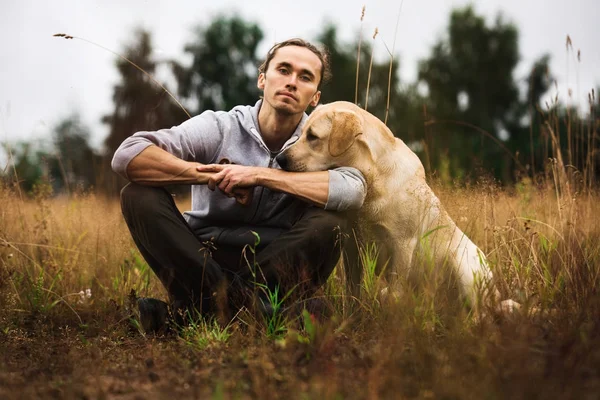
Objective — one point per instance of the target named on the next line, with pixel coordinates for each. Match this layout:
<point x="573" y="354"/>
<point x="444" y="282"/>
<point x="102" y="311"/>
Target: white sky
<point x="44" y="79"/>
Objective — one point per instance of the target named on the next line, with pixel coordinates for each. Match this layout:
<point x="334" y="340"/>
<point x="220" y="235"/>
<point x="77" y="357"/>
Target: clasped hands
<point x="233" y="180"/>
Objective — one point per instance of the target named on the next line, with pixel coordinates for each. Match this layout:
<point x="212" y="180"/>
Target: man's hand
<point x="238" y="180"/>
<point x="233" y="180"/>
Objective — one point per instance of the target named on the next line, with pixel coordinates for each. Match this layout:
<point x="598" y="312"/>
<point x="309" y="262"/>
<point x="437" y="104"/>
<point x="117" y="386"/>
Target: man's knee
<point x="329" y="224"/>
<point x="137" y="198"/>
<point x="133" y="191"/>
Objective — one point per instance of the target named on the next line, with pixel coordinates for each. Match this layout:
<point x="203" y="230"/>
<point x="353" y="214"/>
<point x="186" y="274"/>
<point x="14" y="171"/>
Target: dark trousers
<point x="194" y="273"/>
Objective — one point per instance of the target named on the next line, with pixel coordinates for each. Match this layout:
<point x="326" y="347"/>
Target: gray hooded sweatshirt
<point x="215" y="135"/>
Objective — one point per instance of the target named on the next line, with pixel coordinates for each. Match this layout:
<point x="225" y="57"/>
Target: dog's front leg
<point x="471" y="267"/>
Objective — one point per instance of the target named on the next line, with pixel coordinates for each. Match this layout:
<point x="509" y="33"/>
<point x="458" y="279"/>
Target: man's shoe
<point x="153" y="315"/>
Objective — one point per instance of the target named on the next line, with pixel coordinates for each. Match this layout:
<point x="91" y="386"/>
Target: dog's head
<point x="331" y="138"/>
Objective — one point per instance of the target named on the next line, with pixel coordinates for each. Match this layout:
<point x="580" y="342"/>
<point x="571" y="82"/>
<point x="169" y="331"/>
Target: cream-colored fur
<point x="400" y="213"/>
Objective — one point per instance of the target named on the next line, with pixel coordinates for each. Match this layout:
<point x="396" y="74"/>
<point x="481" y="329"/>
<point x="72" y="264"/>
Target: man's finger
<point x="209" y="168"/>
<point x="224" y="185"/>
<point x="231" y="187"/>
<point x="211" y="183"/>
<point x="215" y="180"/>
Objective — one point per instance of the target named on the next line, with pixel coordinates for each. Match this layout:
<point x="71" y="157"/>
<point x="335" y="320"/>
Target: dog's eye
<point x="311" y="136"/>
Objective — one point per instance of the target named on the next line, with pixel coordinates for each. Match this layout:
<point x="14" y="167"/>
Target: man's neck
<point x="276" y="128"/>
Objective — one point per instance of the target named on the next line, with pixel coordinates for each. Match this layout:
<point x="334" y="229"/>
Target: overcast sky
<point x="44" y="79"/>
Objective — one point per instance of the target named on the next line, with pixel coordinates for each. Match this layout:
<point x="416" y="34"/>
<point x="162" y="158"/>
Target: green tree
<point x="525" y="140"/>
<point x="139" y="102"/>
<point x="24" y="165"/>
<point x="68" y="163"/>
<point x="224" y="65"/>
<point x="75" y="164"/>
<point x="472" y="93"/>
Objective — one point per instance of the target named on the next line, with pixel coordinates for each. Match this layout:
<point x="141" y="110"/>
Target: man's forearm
<point x="308" y="186"/>
<point x="156" y="167"/>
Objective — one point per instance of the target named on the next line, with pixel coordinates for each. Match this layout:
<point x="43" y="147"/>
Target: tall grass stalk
<point x="362" y="16"/>
<point x="370" y="69"/>
<point x="389" y="89"/>
<point x="369" y="258"/>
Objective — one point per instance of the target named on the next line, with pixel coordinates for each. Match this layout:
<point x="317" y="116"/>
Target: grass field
<point x="68" y="266"/>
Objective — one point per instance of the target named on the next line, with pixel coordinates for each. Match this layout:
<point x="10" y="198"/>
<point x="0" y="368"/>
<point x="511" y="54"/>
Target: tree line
<point x="467" y="116"/>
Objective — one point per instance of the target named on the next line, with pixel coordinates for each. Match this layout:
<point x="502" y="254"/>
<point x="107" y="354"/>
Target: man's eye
<point x="305" y="78"/>
<point x="283" y="71"/>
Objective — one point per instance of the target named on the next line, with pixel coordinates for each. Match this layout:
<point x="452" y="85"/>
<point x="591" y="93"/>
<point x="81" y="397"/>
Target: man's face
<point x="291" y="81"/>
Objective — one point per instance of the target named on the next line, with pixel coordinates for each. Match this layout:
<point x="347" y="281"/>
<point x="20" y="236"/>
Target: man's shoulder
<point x="208" y="118"/>
<point x="239" y="112"/>
<point x="248" y="110"/>
<point x="239" y="118"/>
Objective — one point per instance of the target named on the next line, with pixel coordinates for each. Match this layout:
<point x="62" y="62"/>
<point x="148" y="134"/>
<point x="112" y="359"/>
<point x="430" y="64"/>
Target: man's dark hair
<point x="321" y="53"/>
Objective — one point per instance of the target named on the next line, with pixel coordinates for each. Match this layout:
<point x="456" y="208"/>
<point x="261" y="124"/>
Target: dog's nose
<point x="282" y="160"/>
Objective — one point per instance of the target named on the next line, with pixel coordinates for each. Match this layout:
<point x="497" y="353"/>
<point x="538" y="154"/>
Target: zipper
<point x="287" y="144"/>
<point x="272" y="156"/>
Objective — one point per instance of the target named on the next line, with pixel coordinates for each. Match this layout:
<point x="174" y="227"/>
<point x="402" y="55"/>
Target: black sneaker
<point x="153" y="315"/>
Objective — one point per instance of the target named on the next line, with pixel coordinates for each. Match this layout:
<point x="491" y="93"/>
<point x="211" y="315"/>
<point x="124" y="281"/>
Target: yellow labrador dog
<point x="400" y="213"/>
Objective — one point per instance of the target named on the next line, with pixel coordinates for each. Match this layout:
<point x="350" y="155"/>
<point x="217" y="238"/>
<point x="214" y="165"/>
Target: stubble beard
<point x="283" y="108"/>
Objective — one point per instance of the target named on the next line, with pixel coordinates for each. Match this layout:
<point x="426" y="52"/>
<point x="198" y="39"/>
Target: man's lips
<point x="287" y="94"/>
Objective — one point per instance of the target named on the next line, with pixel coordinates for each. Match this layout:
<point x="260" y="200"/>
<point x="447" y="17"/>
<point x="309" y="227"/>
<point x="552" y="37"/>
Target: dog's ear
<point x="345" y="127"/>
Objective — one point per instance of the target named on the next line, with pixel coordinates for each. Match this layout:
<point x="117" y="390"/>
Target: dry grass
<point x="56" y="341"/>
<point x="68" y="265"/>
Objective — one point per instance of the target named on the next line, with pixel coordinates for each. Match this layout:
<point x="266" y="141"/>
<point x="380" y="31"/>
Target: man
<point x="238" y="188"/>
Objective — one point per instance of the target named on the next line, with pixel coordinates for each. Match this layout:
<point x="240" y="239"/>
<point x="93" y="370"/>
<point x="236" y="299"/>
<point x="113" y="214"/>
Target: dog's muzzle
<point x="282" y="160"/>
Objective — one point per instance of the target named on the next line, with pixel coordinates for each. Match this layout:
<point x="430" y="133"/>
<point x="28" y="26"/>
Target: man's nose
<point x="293" y="81"/>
